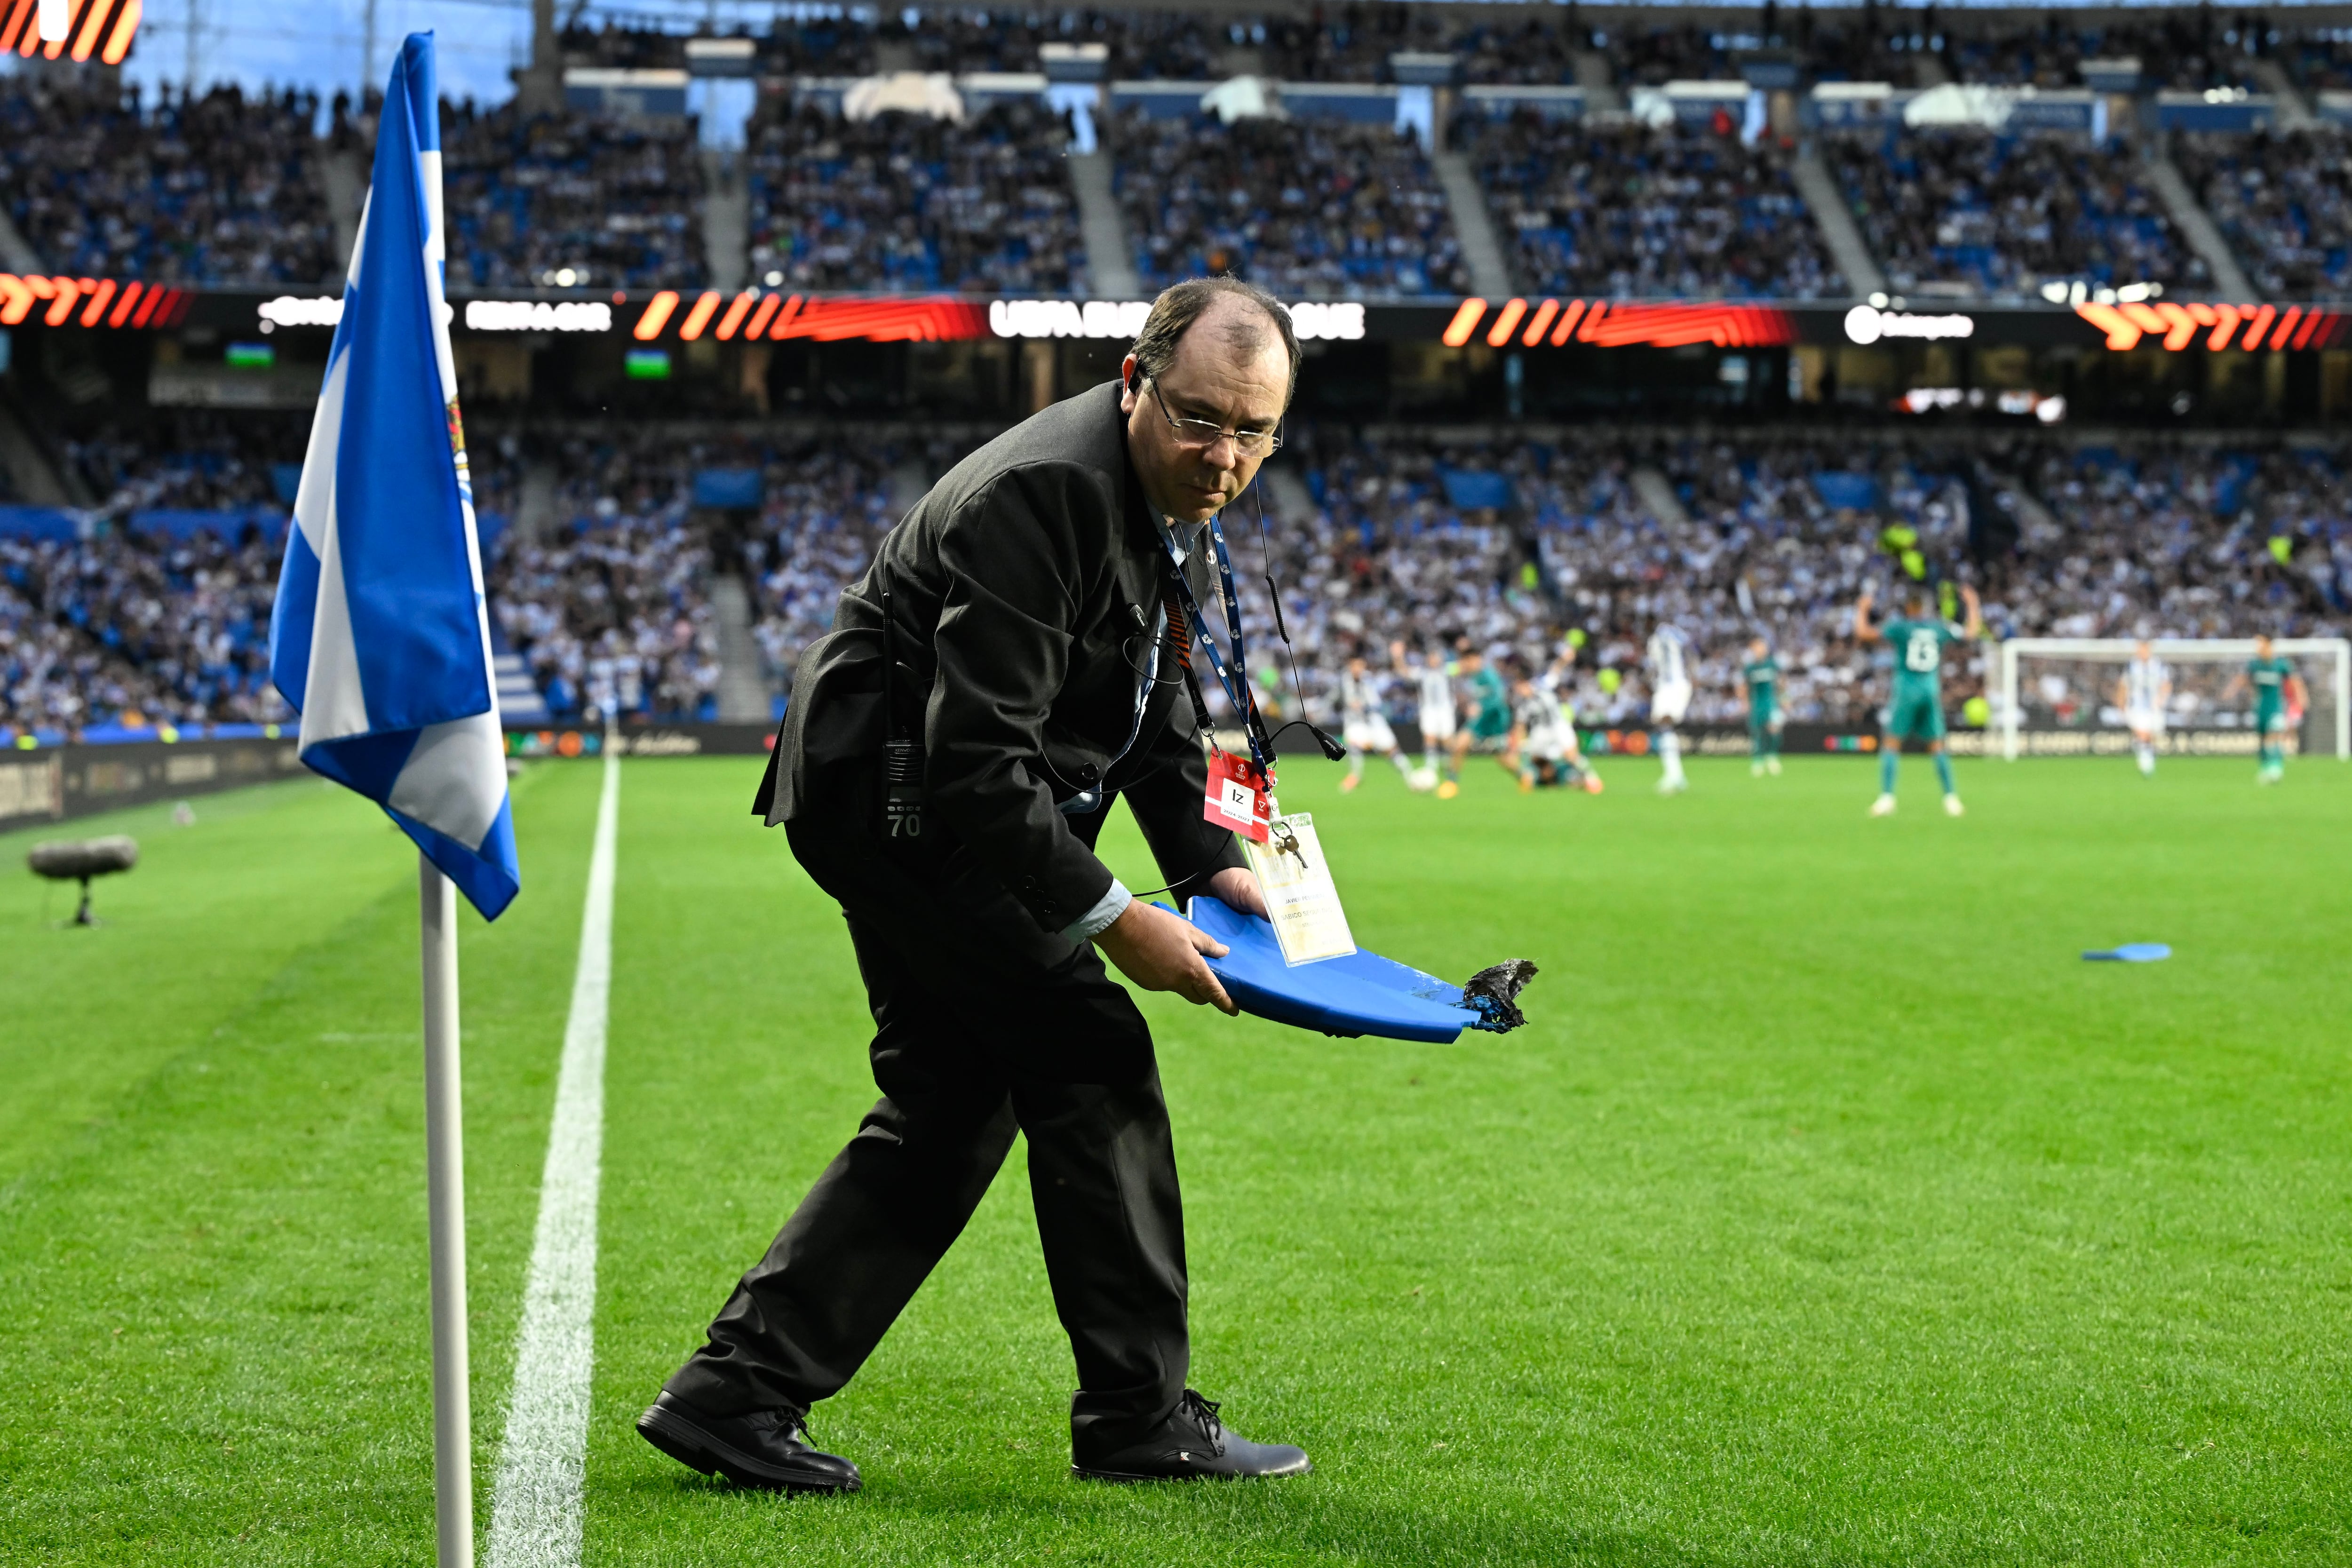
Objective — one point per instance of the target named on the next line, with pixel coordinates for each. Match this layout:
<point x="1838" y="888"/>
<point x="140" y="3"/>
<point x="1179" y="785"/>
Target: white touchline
<point x="535" y="1507"/>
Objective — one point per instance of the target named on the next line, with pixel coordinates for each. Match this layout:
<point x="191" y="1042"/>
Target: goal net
<point x="2058" y="697"/>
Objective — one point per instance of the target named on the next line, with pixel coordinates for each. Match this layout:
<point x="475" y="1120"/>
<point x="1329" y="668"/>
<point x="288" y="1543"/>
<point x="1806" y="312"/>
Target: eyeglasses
<point x="1208" y="432"/>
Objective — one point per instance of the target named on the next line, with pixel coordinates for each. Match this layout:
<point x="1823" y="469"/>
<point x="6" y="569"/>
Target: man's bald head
<point x="1243" y="315"/>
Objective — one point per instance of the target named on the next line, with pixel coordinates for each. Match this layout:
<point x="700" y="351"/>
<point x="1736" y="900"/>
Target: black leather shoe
<point x="768" y="1448"/>
<point x="1194" y="1444"/>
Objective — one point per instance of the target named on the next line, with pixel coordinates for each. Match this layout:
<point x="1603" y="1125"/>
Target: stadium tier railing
<point x="2178" y="652"/>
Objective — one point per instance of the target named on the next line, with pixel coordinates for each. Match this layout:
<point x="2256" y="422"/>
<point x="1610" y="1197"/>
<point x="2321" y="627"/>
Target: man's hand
<point x="1236" y="888"/>
<point x="1161" y="952"/>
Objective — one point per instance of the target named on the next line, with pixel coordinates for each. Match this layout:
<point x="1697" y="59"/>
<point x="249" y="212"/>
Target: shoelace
<point x="789" y="1419"/>
<point x="1202" y="1412"/>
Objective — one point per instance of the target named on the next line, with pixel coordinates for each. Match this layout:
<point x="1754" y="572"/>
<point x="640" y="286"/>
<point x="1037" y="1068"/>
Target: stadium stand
<point x="1970" y="211"/>
<point x="2176" y="51"/>
<point x="1423" y="539"/>
<point x="224" y="189"/>
<point x="1629" y="209"/>
<point x="613" y="613"/>
<point x="901" y="202"/>
<point x="136" y="627"/>
<point x="1854" y="51"/>
<point x="192" y="460"/>
<point x="1653" y="57"/>
<point x="570" y="200"/>
<point x="1528" y="53"/>
<point x="1405" y="536"/>
<point x="2281" y="201"/>
<point x="1308" y="209"/>
<point x="2319" y="60"/>
<point x="826" y="512"/>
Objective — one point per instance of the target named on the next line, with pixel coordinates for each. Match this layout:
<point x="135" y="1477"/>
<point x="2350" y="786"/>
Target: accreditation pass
<point x="1300" y="897"/>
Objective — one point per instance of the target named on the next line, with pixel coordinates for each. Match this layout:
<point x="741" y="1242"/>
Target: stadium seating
<point x="1408" y="536"/>
<point x="1970" y="211"/>
<point x="192" y="460"/>
<point x="1308" y="209"/>
<point x="224" y="190"/>
<point x="570" y="200"/>
<point x="2112" y="541"/>
<point x="2281" y="201"/>
<point x="2176" y="51"/>
<point x="612" y="610"/>
<point x="136" y="624"/>
<point x="905" y="203"/>
<point x="1629" y="209"/>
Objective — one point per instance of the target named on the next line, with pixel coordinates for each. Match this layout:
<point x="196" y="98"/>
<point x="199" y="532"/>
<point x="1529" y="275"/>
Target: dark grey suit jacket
<point x="1024" y="588"/>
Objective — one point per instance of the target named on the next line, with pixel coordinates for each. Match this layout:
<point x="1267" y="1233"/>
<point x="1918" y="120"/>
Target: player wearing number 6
<point x="1915" y="707"/>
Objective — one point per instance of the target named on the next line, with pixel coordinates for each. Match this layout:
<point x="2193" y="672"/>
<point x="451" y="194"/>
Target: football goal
<point x="2056" y="696"/>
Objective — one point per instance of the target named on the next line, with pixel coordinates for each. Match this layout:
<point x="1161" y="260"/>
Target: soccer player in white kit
<point x="1436" y="711"/>
<point x="1362" y="725"/>
<point x="2142" y="692"/>
<point x="1542" y="749"/>
<point x="1670" y="695"/>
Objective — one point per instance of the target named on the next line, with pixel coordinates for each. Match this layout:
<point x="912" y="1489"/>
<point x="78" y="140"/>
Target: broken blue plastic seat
<point x="2130" y="952"/>
<point x="1362" y="994"/>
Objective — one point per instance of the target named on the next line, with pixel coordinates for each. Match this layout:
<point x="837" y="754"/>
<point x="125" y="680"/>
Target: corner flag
<point x="380" y="637"/>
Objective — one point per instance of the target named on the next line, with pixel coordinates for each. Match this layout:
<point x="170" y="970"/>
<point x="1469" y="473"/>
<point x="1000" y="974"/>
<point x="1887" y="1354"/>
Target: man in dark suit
<point x="1010" y="665"/>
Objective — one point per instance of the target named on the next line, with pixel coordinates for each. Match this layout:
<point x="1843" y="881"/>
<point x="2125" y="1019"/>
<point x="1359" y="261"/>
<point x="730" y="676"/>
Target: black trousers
<point x="985" y="1026"/>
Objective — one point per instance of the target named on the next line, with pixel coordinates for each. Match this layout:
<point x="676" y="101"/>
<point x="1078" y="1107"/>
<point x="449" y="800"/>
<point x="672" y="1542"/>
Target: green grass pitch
<point x="1831" y="1210"/>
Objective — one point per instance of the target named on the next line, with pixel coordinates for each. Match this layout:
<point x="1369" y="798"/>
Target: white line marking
<point x="535" y="1509"/>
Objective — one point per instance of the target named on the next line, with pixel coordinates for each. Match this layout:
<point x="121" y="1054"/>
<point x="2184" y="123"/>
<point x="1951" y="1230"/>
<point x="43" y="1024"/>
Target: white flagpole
<point x="444" y="1183"/>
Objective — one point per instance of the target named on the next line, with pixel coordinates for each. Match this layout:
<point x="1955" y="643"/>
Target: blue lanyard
<point x="1235" y="681"/>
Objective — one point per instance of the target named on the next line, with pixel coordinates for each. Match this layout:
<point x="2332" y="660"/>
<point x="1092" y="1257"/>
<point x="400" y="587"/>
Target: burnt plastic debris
<point x="1493" y="994"/>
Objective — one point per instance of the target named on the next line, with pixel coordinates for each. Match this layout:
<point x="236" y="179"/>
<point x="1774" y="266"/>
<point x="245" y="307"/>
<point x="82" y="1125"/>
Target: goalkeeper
<point x="1915" y="707"/>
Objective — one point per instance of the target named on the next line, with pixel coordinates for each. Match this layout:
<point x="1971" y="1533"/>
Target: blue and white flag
<point x="381" y="635"/>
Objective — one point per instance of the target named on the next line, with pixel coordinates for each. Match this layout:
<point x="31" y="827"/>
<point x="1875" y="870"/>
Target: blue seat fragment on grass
<point x="2130" y="952"/>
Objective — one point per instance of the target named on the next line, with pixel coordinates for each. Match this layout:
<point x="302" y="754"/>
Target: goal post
<point x="2068" y="682"/>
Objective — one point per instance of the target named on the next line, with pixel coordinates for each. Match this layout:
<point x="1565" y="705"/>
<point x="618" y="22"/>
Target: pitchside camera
<point x="80" y="860"/>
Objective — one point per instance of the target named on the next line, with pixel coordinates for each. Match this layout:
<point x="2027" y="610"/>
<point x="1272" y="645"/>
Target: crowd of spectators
<point x="2319" y="59"/>
<point x="2183" y="541"/>
<point x="1509" y="547"/>
<point x="190" y="459"/>
<point x="610" y="605"/>
<point x="1307" y="209"/>
<point x="2283" y="201"/>
<point x="1629" y="209"/>
<point x="1376" y="537"/>
<point x="1972" y="212"/>
<point x="903" y="201"/>
<point x="2184" y="49"/>
<point x="137" y="628"/>
<point x="2189" y="49"/>
<point x="221" y="189"/>
<point x="825" y="513"/>
<point x="570" y="200"/>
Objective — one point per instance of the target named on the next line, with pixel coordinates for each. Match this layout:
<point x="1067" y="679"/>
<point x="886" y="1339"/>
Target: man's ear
<point x="1127" y="390"/>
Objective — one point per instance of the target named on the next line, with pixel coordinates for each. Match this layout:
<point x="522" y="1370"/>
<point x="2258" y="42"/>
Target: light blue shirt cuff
<point x="1109" y="908"/>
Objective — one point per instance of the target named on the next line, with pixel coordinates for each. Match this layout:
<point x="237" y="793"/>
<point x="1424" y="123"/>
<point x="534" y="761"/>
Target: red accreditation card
<point x="1237" y="798"/>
